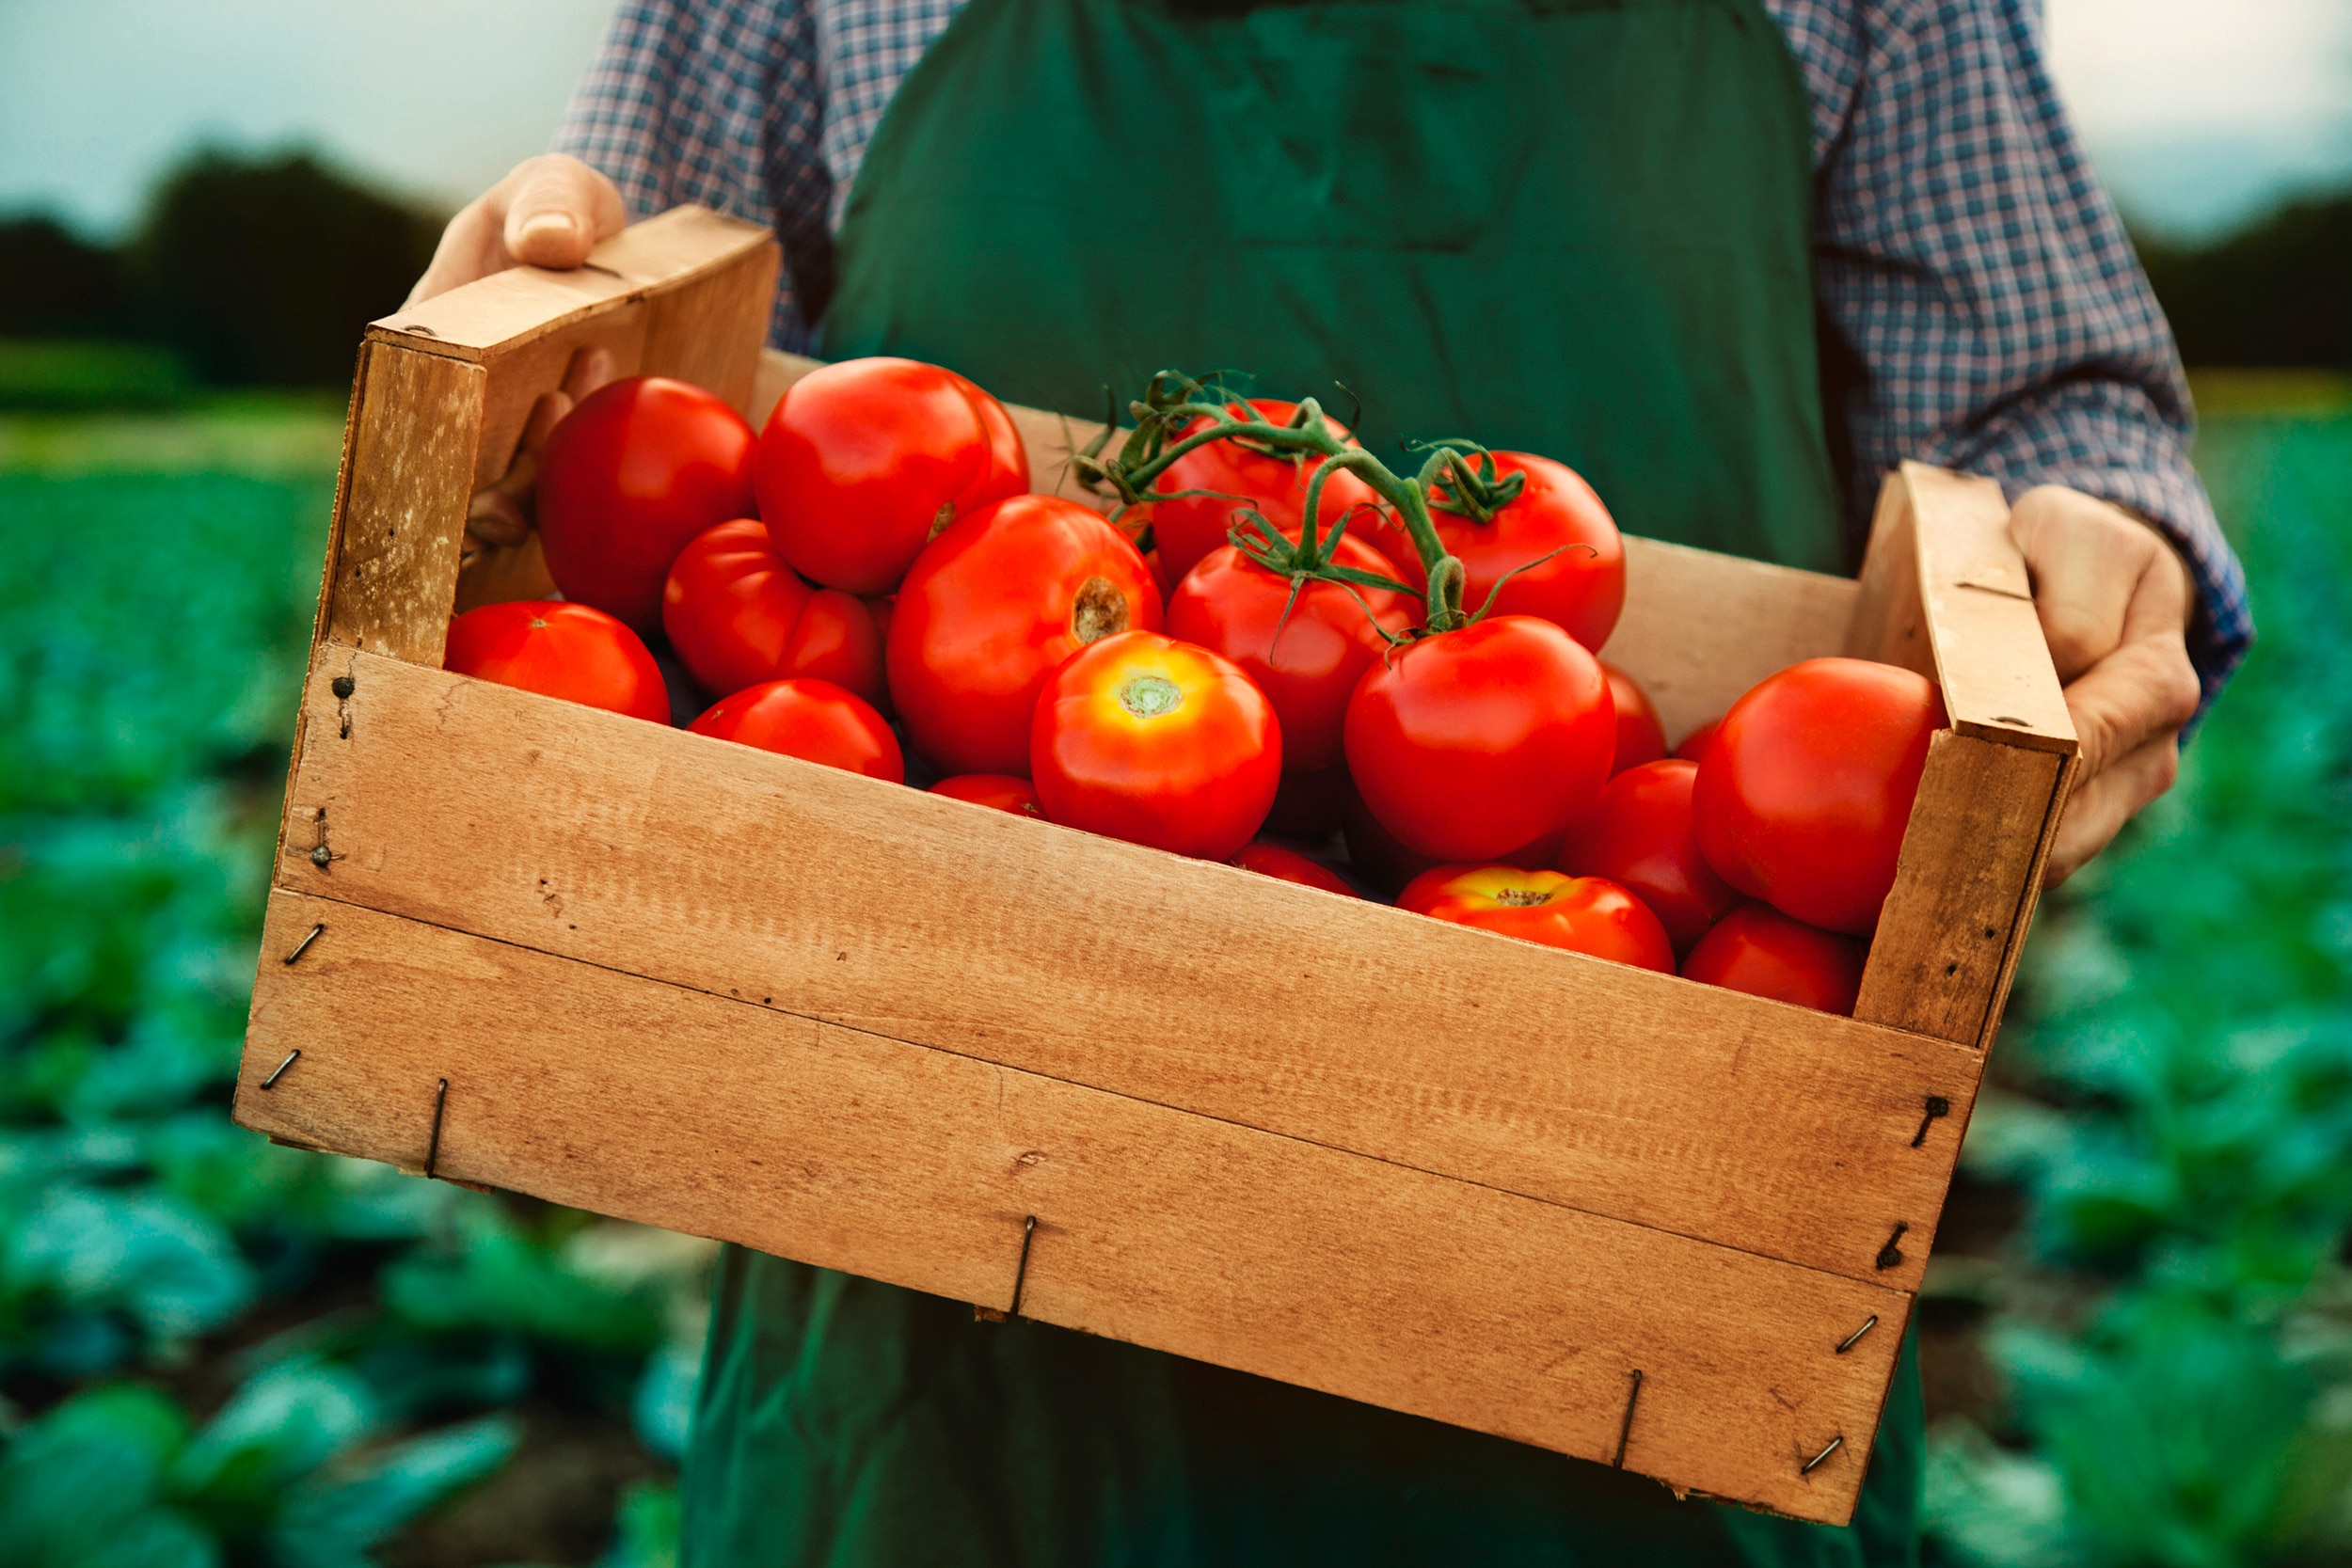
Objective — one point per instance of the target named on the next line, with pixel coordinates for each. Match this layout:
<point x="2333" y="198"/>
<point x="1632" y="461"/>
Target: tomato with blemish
<point x="1584" y="914"/>
<point x="572" y="651"/>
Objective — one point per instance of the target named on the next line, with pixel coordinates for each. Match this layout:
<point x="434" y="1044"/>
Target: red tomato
<point x="878" y="606"/>
<point x="570" y="651"/>
<point x="1004" y="791"/>
<point x="1307" y="805"/>
<point x="730" y="605"/>
<point x="1289" y="866"/>
<point x="990" y="608"/>
<point x="814" y="721"/>
<point x="1584" y="914"/>
<point x="1581" y="587"/>
<point x="1275" y="482"/>
<point x="1696" y="742"/>
<point x="864" y="461"/>
<point x="1306" y="653"/>
<point x="1805" y="791"/>
<point x="1472" y="743"/>
<point x="1759" y="950"/>
<point x="1638" y="835"/>
<point x="738" y="615"/>
<point x="640" y="468"/>
<point x="1142" y="737"/>
<point x="1386" y="864"/>
<point x="1640" y="737"/>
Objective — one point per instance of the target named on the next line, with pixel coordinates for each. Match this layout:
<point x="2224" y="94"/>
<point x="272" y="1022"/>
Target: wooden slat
<point x="1971" y="859"/>
<point x="1697" y="1110"/>
<point x="416" y="425"/>
<point x="1325" y="1269"/>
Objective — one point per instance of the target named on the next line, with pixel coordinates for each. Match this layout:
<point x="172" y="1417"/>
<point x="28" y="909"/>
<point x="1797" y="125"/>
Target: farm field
<point x="214" y="1350"/>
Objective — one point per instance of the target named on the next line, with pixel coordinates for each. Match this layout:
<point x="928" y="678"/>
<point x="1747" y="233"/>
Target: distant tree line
<point x="262" y="272"/>
<point x="257" y="273"/>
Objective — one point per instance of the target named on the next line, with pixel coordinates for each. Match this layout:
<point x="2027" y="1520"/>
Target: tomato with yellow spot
<point x="1584" y="914"/>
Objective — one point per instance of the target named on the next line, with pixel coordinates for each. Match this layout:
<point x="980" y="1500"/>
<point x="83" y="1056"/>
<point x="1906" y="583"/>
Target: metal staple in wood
<point x="279" y="1070"/>
<point x="1625" y="1427"/>
<point x="433" y="1146"/>
<point x="1021" y="1275"/>
<point x="1820" y="1459"/>
<point x="1856" y="1338"/>
<point x="304" y="946"/>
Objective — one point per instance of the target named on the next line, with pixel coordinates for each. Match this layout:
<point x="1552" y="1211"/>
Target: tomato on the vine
<point x="1307" y="645"/>
<point x="1289" y="866"/>
<point x="1584" y="914"/>
<point x="1639" y="834"/>
<point x="1805" y="791"/>
<point x="1759" y="950"/>
<point x="1582" y="585"/>
<point x="1142" y="737"/>
<point x="1640" y="737"/>
<point x="1004" y="791"/>
<point x="1471" y="743"/>
<point x="572" y="651"/>
<point x="628" y="477"/>
<point x="864" y="461"/>
<point x="988" y="611"/>
<point x="1187" y="528"/>
<point x="813" y="720"/>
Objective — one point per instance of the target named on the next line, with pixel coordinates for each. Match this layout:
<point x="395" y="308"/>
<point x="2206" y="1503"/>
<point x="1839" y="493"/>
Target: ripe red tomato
<point x="640" y="468"/>
<point x="1275" y="482"/>
<point x="1640" y="737"/>
<point x="1694" y="744"/>
<point x="1002" y="791"/>
<point x="813" y="720"/>
<point x="730" y="603"/>
<point x="1142" y="737"/>
<point x="864" y="461"/>
<point x="571" y="651"/>
<point x="1638" y="835"/>
<point x="738" y="615"/>
<point x="1581" y="587"/>
<point x="1759" y="950"/>
<point x="1307" y="652"/>
<point x="990" y="608"/>
<point x="1473" y="742"/>
<point x="1289" y="866"/>
<point x="1804" y="792"/>
<point x="1584" y="914"/>
<point x="1380" y="860"/>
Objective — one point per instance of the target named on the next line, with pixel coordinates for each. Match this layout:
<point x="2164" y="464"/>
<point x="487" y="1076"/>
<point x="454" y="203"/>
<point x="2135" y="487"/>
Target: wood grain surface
<point x="1323" y="1268"/>
<point x="1694" y="1109"/>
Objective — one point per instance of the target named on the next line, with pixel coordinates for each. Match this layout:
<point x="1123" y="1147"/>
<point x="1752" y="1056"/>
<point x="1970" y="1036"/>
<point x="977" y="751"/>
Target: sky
<point x="2200" y="113"/>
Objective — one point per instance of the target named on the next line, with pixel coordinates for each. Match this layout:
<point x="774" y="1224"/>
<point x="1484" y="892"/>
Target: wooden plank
<point x="416" y="426"/>
<point x="1694" y="1109"/>
<point x="708" y="329"/>
<point x="1317" y="1267"/>
<point x="1973" y="602"/>
<point x="502" y="312"/>
<point x="1963" y="892"/>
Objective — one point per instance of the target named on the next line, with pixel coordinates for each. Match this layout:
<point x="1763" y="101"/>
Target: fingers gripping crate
<point x="531" y="945"/>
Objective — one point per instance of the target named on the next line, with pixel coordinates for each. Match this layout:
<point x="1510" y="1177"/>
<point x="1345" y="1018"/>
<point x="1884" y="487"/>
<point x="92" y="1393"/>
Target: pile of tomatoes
<point x="869" y="584"/>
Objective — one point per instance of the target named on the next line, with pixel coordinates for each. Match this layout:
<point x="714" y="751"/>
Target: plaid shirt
<point x="1980" y="305"/>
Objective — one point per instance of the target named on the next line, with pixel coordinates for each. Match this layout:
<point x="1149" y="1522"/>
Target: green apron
<point x="1575" y="226"/>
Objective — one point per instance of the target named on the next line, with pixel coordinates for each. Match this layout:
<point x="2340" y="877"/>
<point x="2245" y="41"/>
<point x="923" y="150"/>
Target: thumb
<point x="559" y="210"/>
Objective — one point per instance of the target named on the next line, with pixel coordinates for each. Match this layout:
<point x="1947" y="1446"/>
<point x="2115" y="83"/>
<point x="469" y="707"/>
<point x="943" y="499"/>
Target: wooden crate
<point x="531" y="945"/>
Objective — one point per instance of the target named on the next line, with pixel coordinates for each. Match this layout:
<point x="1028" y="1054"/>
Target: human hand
<point x="2114" y="601"/>
<point x="549" y="212"/>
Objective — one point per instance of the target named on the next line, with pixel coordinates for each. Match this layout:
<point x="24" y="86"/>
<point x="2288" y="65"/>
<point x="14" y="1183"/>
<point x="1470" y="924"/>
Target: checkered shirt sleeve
<point x="1980" y="304"/>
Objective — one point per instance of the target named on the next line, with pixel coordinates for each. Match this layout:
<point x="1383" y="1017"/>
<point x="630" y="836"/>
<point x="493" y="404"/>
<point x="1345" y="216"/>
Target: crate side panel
<point x="673" y="1107"/>
<point x="1651" y="1099"/>
<point x="394" y="571"/>
<point x="708" y="330"/>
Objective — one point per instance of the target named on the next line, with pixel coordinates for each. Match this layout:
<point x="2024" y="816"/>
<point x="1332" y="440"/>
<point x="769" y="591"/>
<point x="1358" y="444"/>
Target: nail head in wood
<point x="1891" y="1254"/>
<point x="279" y="1070"/>
<point x="345" y="686"/>
<point x="304" y="946"/>
<point x="1625" y="1427"/>
<point x="1937" y="1106"/>
<point x="433" y="1145"/>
